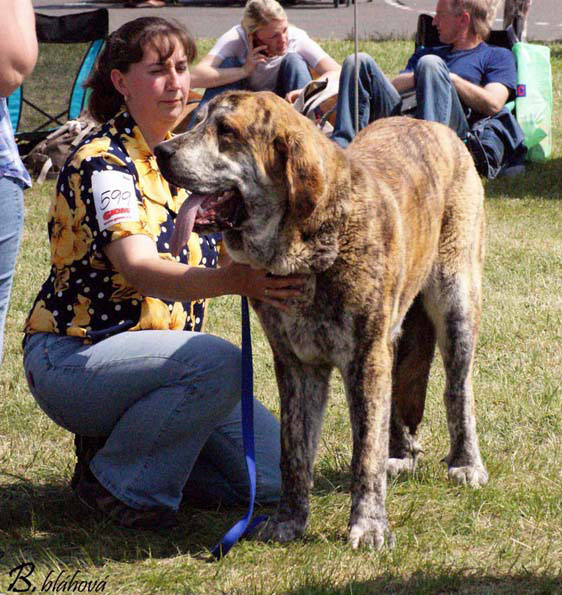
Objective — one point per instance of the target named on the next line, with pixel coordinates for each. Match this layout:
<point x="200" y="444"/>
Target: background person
<point x="515" y="13"/>
<point x="456" y="83"/>
<point x="263" y="53"/>
<point x="113" y="346"/>
<point x="18" y="54"/>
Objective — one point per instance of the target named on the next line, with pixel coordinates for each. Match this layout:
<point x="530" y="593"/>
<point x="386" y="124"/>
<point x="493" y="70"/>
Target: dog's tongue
<point x="185" y="221"/>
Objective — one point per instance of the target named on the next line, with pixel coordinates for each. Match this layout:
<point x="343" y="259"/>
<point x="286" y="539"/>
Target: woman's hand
<point x="292" y="96"/>
<point x="261" y="285"/>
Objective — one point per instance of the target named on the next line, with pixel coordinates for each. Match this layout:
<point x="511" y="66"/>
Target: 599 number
<point x="109" y="197"/>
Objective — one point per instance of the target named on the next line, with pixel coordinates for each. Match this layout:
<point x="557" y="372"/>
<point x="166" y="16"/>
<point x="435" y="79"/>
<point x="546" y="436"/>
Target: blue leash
<point x="244" y="526"/>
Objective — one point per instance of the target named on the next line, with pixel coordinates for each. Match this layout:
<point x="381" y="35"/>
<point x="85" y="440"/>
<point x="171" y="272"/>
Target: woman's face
<point x="275" y="36"/>
<point x="155" y="91"/>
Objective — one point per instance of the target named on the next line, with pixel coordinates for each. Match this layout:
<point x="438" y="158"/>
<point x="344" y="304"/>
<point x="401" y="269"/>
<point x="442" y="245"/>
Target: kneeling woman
<point x="113" y="344"/>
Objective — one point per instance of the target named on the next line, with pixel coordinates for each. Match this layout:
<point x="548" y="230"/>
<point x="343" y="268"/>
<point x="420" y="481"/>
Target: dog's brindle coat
<point x="391" y="231"/>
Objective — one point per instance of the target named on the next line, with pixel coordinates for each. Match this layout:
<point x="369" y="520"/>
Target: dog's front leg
<point x="368" y="382"/>
<point x="303" y="390"/>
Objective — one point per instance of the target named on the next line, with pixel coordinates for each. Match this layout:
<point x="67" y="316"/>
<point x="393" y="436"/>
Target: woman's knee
<point x="230" y="62"/>
<point x="293" y="73"/>
<point x="218" y="367"/>
<point x="293" y="60"/>
<point x="228" y="361"/>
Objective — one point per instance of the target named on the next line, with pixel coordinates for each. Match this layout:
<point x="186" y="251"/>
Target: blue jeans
<point x="11" y="228"/>
<point x="437" y="99"/>
<point x="168" y="402"/>
<point x="436" y="96"/>
<point x="293" y="74"/>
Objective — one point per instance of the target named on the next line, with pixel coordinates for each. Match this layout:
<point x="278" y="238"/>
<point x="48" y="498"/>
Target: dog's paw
<point x="278" y="530"/>
<point x="396" y="466"/>
<point x="370" y="533"/>
<point x="473" y="475"/>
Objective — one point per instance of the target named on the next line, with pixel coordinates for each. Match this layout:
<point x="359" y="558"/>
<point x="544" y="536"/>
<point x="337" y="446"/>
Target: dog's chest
<point x="315" y="339"/>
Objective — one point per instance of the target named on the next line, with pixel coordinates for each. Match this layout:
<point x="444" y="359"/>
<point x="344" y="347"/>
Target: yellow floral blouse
<point x="109" y="188"/>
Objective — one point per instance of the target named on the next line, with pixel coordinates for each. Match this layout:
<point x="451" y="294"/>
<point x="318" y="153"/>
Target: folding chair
<point x="428" y="36"/>
<point x="81" y="28"/>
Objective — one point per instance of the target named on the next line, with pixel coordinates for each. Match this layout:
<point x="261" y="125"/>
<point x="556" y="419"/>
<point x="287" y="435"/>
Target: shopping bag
<point x="533" y="102"/>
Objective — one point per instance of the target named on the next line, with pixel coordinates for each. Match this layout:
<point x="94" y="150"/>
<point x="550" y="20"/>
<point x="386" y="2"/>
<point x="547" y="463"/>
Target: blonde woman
<point x="263" y="53"/>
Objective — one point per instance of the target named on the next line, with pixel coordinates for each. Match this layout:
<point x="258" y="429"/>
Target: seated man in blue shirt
<point x="457" y="83"/>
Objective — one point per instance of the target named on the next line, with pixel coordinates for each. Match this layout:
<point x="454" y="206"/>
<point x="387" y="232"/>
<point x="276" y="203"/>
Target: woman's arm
<point x="327" y="68"/>
<point x="208" y="74"/>
<point x="18" y="44"/>
<point x="137" y="259"/>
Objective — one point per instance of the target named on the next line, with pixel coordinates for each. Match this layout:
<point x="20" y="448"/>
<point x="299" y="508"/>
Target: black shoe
<point x="93" y="495"/>
<point x="86" y="448"/>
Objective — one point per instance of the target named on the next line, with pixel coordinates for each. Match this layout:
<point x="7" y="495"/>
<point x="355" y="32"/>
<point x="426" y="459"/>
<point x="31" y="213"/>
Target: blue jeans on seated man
<point x="169" y="403"/>
<point x="437" y="98"/>
<point x="293" y="74"/>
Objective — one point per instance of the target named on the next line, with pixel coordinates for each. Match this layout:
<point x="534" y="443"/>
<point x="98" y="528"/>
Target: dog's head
<point x="261" y="173"/>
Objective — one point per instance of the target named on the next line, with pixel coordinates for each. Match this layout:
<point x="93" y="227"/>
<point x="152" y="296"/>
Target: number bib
<point x="114" y="197"/>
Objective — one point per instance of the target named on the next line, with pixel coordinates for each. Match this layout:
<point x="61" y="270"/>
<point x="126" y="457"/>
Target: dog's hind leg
<point x="453" y="303"/>
<point x="303" y="391"/>
<point x="412" y="362"/>
<point x="368" y="383"/>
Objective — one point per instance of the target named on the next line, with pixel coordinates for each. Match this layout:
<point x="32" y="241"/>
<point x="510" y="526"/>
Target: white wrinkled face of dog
<point x="238" y="164"/>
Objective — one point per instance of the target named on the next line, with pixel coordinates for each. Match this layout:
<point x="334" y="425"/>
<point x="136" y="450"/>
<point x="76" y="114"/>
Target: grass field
<point x="504" y="538"/>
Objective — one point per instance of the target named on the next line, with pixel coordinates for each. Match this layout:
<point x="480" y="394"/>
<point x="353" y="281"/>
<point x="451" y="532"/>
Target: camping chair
<point x="88" y="27"/>
<point x="428" y="36"/>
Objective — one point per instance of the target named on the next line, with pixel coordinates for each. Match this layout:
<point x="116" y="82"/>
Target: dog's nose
<point x="164" y="151"/>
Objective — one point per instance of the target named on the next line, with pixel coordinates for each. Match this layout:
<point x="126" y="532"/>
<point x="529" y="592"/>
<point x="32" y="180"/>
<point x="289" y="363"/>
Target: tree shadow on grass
<point x="329" y="479"/>
<point x="45" y="523"/>
<point x="442" y="581"/>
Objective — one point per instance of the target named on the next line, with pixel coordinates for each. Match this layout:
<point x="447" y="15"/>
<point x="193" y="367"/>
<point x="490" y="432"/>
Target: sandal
<point x="93" y="495"/>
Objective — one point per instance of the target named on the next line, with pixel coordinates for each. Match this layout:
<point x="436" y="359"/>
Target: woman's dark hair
<point x="124" y="47"/>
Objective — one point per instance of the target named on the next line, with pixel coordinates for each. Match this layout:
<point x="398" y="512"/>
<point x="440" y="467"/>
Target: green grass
<point x="503" y="538"/>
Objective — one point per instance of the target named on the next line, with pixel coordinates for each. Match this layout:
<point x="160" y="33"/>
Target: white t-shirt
<point x="234" y="44"/>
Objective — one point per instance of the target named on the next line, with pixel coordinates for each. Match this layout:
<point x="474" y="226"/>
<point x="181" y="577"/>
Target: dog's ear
<point x="304" y="170"/>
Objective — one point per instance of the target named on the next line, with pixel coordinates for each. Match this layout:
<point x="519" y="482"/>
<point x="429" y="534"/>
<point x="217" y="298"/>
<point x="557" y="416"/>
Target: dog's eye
<point x="224" y="130"/>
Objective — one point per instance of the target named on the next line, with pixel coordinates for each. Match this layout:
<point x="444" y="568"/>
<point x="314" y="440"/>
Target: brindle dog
<point x="391" y="232"/>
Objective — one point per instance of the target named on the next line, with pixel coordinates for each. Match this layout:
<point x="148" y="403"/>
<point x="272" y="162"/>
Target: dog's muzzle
<point x="219" y="212"/>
